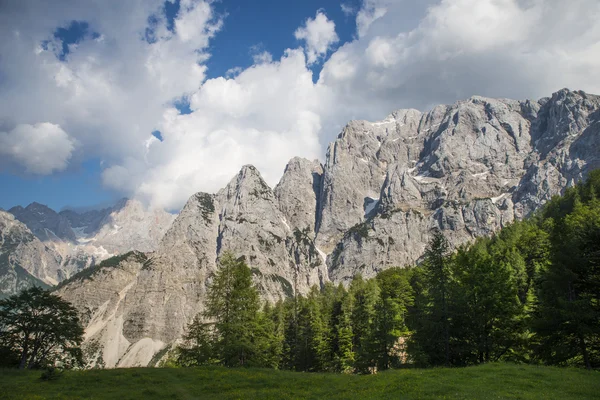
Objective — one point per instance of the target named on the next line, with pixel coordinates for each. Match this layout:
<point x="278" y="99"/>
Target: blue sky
<point x="249" y="27"/>
<point x="101" y="99"/>
<point x="267" y="24"/>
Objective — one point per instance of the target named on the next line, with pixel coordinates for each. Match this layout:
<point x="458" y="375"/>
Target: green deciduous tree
<point x="39" y="329"/>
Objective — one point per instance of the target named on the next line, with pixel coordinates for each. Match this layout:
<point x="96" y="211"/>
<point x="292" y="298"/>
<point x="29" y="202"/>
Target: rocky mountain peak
<point x="44" y="222"/>
<point x="24" y="260"/>
<point x="83" y="239"/>
<point x="246" y="190"/>
<point x="298" y="193"/>
<point x="132" y="226"/>
<point x="561" y="117"/>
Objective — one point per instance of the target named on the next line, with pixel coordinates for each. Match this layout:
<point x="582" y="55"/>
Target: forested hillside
<point x="529" y="293"/>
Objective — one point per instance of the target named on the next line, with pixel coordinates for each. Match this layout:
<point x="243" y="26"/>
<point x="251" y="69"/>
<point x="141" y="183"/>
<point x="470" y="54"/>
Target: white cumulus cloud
<point x="319" y="35"/>
<point x="264" y="116"/>
<point x="42" y="148"/>
<point x="459" y="48"/>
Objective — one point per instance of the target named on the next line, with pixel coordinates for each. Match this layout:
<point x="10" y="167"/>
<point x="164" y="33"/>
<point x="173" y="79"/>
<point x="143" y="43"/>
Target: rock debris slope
<point x="467" y="169"/>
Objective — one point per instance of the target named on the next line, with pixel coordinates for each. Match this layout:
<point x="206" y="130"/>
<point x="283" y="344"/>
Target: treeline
<point x="528" y="294"/>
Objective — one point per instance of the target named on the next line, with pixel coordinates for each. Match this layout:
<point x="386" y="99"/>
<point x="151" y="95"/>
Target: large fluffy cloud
<point x="41" y="148"/>
<point x="112" y="88"/>
<point x="459" y="48"/>
<point x="265" y="115"/>
<point x="118" y="85"/>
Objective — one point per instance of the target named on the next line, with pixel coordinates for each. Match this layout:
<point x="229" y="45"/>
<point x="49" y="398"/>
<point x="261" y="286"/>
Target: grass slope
<point x="491" y="381"/>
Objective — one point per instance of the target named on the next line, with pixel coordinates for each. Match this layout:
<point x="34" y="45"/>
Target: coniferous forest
<point x="529" y="294"/>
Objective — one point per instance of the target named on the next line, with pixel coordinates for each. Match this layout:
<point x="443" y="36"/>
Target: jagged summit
<point x="44" y="222"/>
<point x="298" y="194"/>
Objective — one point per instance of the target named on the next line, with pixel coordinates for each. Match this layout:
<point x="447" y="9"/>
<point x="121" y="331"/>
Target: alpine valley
<point x="467" y="169"/>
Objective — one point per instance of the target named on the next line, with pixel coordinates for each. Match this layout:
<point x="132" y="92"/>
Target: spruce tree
<point x="488" y="317"/>
<point x="229" y="331"/>
<point x="431" y="339"/>
<point x="342" y="333"/>
<point x="365" y="296"/>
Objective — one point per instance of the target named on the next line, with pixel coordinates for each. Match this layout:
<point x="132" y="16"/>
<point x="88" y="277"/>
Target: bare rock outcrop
<point x="24" y="259"/>
<point x="483" y="163"/>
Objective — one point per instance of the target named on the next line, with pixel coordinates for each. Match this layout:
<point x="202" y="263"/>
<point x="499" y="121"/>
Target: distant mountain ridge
<point x="467" y="169"/>
<point x="80" y="240"/>
<point x="24" y="259"/>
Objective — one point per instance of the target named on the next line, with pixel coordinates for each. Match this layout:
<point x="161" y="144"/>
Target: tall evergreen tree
<point x="488" y="317"/>
<point x="342" y="349"/>
<point x="568" y="312"/>
<point x="229" y="331"/>
<point x="431" y="340"/>
<point x="391" y="331"/>
<point x="365" y="296"/>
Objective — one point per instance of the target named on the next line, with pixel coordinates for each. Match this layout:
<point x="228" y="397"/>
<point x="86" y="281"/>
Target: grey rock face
<point x="24" y="260"/>
<point x="298" y="194"/>
<point x="467" y="169"/>
<point x="102" y="300"/>
<point x="83" y="240"/>
<point x="482" y="163"/>
<point x="87" y="222"/>
<point x="151" y="306"/>
<point x="131" y="226"/>
<point x="356" y="168"/>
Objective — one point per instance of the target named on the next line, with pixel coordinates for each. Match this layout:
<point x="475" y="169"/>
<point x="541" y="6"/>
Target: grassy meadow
<point x="491" y="381"/>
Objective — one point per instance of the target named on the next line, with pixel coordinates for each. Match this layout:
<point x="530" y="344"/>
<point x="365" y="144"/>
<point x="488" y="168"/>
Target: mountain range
<point x="467" y="169"/>
<point x="49" y="246"/>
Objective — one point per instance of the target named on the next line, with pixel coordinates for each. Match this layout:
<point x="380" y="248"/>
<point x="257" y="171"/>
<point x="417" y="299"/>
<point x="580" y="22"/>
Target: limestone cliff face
<point x="298" y="194"/>
<point x="24" y="260"/>
<point x="144" y="306"/>
<point x="467" y="169"/>
<point x="481" y="164"/>
<point x="102" y="295"/>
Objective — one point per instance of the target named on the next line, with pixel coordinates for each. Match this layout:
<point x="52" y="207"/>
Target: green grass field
<point x="492" y="381"/>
